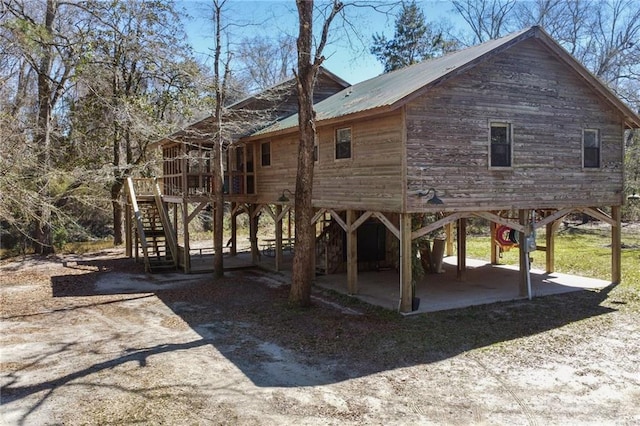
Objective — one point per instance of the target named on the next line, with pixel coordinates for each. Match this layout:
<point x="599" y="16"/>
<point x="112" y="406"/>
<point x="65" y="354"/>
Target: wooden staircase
<point x="329" y="249"/>
<point x="155" y="238"/>
<point x="154" y="232"/>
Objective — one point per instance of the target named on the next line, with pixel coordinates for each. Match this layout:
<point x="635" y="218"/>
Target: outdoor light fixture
<point x="283" y="198"/>
<point x="432" y="200"/>
<point x="633" y="197"/>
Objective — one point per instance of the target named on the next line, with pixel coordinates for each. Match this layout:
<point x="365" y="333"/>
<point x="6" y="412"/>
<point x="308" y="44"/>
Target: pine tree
<point x="412" y="42"/>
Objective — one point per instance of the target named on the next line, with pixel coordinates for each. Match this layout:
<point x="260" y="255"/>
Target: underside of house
<point x="513" y="131"/>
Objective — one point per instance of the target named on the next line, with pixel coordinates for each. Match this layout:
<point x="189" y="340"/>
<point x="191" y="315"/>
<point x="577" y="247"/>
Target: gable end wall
<point x="547" y="105"/>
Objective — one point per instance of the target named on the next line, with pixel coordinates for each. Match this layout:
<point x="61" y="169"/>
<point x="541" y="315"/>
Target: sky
<point x="347" y="53"/>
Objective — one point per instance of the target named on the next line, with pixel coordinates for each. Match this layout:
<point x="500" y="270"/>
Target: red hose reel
<point x="506" y="237"/>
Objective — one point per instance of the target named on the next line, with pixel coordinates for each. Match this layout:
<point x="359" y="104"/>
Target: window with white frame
<point x="343" y="143"/>
<point x="500" y="144"/>
<point x="590" y="148"/>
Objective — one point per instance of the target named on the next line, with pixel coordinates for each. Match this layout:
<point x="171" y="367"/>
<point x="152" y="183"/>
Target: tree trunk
<point x="304" y="231"/>
<point x="302" y="274"/>
<point x="43" y="233"/>
<point x="308" y="65"/>
<point x="116" y="189"/>
<point x="218" y="213"/>
<point x="218" y="178"/>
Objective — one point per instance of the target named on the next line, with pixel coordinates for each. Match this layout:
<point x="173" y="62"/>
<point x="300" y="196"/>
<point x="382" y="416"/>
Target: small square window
<point x="265" y="153"/>
<point x="500" y="145"/>
<point x="591" y="148"/>
<point x="343" y="143"/>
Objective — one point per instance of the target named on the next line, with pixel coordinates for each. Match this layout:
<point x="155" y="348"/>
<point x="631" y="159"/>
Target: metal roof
<point x="389" y="91"/>
<point x="209" y="121"/>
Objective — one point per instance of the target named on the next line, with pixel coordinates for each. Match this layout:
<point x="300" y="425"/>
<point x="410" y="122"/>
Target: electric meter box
<point x="529" y="244"/>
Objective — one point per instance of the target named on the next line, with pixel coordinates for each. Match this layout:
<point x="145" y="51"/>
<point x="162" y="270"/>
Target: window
<point x="590" y="148"/>
<point x="500" y="149"/>
<point x="343" y="143"/>
<point x="265" y="153"/>
<point x="315" y="152"/>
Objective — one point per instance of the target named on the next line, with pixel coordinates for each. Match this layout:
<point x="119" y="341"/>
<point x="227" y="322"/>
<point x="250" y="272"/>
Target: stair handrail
<point x="136" y="212"/>
<point x="166" y="224"/>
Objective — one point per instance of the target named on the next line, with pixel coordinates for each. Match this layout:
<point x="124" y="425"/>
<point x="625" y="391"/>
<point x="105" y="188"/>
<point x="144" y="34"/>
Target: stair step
<point x="161" y="268"/>
<point x="152" y="233"/>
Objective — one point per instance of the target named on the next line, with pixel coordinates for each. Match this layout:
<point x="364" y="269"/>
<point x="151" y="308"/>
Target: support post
<point x="449" y="232"/>
<point x="233" y="250"/>
<point x="128" y="241"/>
<point x="352" y="253"/>
<point x="253" y="234"/>
<point x="462" y="249"/>
<point x="406" y="286"/>
<point x="616" y="245"/>
<point x="136" y="240"/>
<point x="184" y="186"/>
<point x="523" y="216"/>
<point x="185" y="229"/>
<point x="495" y="248"/>
<point x="278" y="237"/>
<point x="175" y="221"/>
<point x="550" y="243"/>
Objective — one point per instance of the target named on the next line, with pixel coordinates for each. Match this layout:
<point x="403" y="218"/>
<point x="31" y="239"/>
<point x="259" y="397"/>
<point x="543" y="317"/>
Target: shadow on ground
<point x="247" y="318"/>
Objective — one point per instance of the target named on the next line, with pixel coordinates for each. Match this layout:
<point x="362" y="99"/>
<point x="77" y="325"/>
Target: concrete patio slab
<point x="484" y="283"/>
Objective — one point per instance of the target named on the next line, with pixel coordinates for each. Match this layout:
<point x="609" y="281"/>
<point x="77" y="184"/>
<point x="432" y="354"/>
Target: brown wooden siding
<point x="547" y="105"/>
<point x="187" y="166"/>
<point x="281" y="174"/>
<point x="370" y="180"/>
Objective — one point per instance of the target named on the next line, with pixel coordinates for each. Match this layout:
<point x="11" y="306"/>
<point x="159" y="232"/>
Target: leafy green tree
<point x="413" y="40"/>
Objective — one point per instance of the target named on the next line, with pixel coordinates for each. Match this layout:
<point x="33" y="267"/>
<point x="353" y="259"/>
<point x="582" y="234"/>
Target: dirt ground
<point x="92" y="339"/>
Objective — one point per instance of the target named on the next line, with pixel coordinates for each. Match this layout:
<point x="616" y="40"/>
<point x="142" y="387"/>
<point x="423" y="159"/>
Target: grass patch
<point x="86" y="247"/>
<point x="79" y="247"/>
<point x="579" y="251"/>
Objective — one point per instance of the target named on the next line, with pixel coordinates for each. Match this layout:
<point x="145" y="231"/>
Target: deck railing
<point x="133" y="198"/>
<point x="143" y="186"/>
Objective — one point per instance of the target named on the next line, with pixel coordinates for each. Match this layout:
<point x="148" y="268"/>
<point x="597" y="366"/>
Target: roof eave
<point x="326" y="122"/>
<point x="174" y="137"/>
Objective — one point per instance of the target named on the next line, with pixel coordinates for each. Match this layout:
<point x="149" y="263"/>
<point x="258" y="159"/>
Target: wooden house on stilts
<point x="513" y="130"/>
